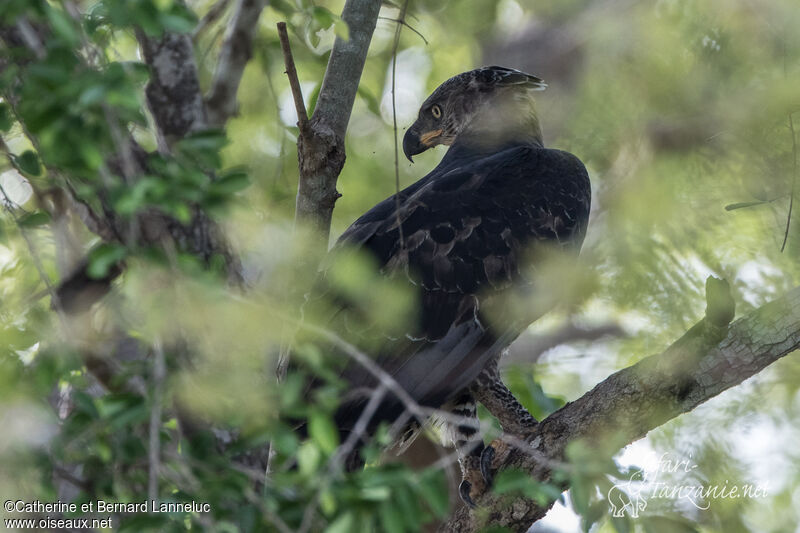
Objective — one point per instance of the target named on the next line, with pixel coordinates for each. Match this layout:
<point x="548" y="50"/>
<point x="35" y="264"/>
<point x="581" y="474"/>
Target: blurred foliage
<point x="680" y="109"/>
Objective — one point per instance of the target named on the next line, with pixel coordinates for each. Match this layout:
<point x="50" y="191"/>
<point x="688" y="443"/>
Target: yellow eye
<point x="436" y="111"/>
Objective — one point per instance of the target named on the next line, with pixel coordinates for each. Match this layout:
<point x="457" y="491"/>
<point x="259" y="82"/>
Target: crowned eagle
<point x="458" y="238"/>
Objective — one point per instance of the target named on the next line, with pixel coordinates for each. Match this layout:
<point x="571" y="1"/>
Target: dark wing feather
<point x="464" y="228"/>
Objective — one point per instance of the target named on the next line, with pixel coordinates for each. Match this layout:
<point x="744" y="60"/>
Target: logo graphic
<point x="628" y="499"/>
<point x="631" y="496"/>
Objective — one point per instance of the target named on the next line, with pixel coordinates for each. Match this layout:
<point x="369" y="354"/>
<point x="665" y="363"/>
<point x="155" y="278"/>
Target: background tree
<point x="151" y="271"/>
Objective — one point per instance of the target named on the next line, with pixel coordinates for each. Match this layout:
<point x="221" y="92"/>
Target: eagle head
<point x="488" y="105"/>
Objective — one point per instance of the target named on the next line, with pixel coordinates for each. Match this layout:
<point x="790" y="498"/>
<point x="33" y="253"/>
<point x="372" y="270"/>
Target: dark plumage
<point x="497" y="196"/>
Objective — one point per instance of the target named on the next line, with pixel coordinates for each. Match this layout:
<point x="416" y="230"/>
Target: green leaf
<point x="6" y="120"/>
<point x="308" y="458"/>
<point x="621" y="524"/>
<point x="580" y="493"/>
<point x="323" y="431"/>
<point x="327" y="502"/>
<point x="63" y="26"/>
<point x="511" y="481"/>
<point x="211" y="139"/>
<point x="28" y="163"/>
<point x="433" y="489"/>
<point x="375" y="494"/>
<point x="344" y="524"/>
<point x="596" y="511"/>
<point x="35" y="219"/>
<point x="231" y="183"/>
<point x="92" y="95"/>
<point x="203" y="147"/>
<point x="530" y="394"/>
<point x="323" y="16"/>
<point x="103" y="257"/>
<point x="177" y="23"/>
<point x="181" y="211"/>
<point x="372" y="103"/>
<point x="390" y="517"/>
<point x="341" y="29"/>
<point x="285" y="442"/>
<point x="667" y="524"/>
<point x="740" y="205"/>
<point x="312" y="100"/>
<point x="284" y="6"/>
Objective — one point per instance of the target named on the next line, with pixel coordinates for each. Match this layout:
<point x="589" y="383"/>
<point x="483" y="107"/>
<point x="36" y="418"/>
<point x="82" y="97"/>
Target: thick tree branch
<point x="237" y="49"/>
<point x="706" y="361"/>
<point x="321" y="153"/>
<point x="174" y="97"/>
<point x="173" y="92"/>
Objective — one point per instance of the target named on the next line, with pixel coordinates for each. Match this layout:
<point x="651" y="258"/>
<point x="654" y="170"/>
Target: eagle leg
<point x="469" y="446"/>
<point x="490" y="390"/>
<point x="514" y="419"/>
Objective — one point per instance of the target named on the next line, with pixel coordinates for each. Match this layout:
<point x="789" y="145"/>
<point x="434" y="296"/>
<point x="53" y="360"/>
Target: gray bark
<point x="237" y="49"/>
<point x="321" y="150"/>
<point x="177" y="105"/>
<point x="173" y="92"/>
<point x="706" y="361"/>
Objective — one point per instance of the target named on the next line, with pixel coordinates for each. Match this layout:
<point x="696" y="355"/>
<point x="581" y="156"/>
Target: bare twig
<point x="336" y="461"/>
<point x="407" y="25"/>
<point x="794" y="181"/>
<point x="302" y="124"/>
<point x="411" y="406"/>
<point x="154" y="448"/>
<point x="294" y="83"/>
<point x="31" y="38"/>
<point x="707" y="360"/>
<point x="188" y="463"/>
<point x="529" y="348"/>
<point x="359" y="429"/>
<point x="400" y="21"/>
<point x="212" y="15"/>
<point x="237" y="49"/>
<point x="9" y="206"/>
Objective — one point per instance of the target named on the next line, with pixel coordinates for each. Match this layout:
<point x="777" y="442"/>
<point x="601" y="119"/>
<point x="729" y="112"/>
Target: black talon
<point x="463" y="491"/>
<point x="487" y="456"/>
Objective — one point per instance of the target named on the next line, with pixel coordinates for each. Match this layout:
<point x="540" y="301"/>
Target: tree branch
<point x="211" y="17"/>
<point x="294" y="83"/>
<point x="530" y="348"/>
<point x="173" y="92"/>
<point x="237" y="49"/>
<point x="706" y="361"/>
<point x="321" y="153"/>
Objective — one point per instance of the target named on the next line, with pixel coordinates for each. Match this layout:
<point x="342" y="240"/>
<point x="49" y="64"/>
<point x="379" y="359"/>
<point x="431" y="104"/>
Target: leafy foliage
<point x="680" y="110"/>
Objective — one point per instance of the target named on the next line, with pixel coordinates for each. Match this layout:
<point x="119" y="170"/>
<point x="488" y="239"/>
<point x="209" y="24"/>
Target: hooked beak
<point x="414" y="143"/>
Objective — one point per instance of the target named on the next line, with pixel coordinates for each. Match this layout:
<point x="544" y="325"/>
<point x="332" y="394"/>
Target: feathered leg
<point x="490" y="390"/>
<point x="514" y="419"/>
<point x="469" y="446"/>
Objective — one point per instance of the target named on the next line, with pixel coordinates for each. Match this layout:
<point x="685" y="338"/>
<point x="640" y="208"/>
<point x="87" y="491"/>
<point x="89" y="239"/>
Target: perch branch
<point x="706" y="361"/>
<point x="321" y="153"/>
